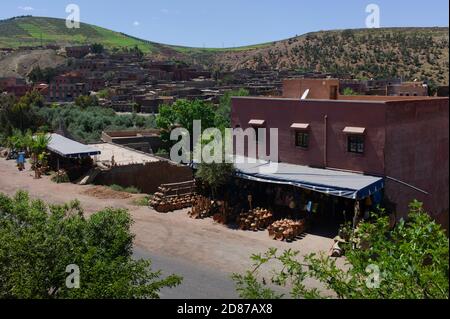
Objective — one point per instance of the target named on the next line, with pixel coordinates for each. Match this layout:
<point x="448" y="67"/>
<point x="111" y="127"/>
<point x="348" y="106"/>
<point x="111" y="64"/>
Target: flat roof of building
<point x="351" y="99"/>
<point x="122" y="155"/>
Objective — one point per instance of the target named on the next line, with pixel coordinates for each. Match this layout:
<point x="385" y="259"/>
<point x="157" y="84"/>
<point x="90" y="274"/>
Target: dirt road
<point x="171" y="236"/>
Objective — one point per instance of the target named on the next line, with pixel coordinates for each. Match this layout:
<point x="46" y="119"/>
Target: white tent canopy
<point x="69" y="148"/>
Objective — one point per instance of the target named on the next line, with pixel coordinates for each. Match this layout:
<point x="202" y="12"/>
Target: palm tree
<point x="37" y="146"/>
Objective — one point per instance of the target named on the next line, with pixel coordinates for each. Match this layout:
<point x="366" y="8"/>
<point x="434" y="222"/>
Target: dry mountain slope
<point x="22" y="62"/>
<point x="412" y="53"/>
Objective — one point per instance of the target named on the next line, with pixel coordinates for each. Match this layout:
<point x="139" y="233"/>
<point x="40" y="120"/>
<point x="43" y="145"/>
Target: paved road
<point x="199" y="282"/>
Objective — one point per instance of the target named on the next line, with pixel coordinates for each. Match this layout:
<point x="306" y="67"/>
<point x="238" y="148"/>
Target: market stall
<point x="71" y="156"/>
<point x="322" y="197"/>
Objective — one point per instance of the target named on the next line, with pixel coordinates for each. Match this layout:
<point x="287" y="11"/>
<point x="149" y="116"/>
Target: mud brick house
<point x="67" y="87"/>
<point x="151" y="103"/>
<point x="407" y="89"/>
<point x="8" y="50"/>
<point x="14" y="86"/>
<point x="147" y="141"/>
<point x="404" y="140"/>
<point x="7" y="82"/>
<point x="78" y="52"/>
<point x="187" y="74"/>
<point x="390" y="87"/>
<point x="90" y="65"/>
<point x="95" y="83"/>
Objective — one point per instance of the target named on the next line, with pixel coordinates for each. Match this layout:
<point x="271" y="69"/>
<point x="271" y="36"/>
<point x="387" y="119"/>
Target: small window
<point x="302" y="139"/>
<point x="356" y="144"/>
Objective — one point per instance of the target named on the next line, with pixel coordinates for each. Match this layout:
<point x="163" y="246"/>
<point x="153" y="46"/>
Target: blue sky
<point x="212" y="23"/>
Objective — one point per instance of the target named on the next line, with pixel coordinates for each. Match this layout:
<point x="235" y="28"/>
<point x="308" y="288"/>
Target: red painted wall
<point x="318" y="88"/>
<point x="282" y="113"/>
<point x="417" y="152"/>
<point x="405" y="139"/>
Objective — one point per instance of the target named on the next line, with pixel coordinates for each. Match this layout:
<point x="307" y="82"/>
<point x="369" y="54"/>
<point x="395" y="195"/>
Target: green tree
<point x="105" y="93"/>
<point x="412" y="259"/>
<point x="215" y="175"/>
<point x="87" y="124"/>
<point x="17" y="141"/>
<point x="183" y="113"/>
<point x="37" y="145"/>
<point x="223" y="114"/>
<point x="109" y="76"/>
<point x="85" y="101"/>
<point x="97" y="48"/>
<point x="38" y="242"/>
<point x="136" y="108"/>
<point x="33" y="98"/>
<point x="41" y="75"/>
<point x="20" y="114"/>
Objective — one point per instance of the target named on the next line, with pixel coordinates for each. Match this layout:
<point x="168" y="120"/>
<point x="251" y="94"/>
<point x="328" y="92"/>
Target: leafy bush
<point x="20" y="114"/>
<point x="86" y="125"/>
<point x="39" y="241"/>
<point x="409" y="261"/>
<point x="348" y="91"/>
<point x="60" y="177"/>
<point x="84" y="101"/>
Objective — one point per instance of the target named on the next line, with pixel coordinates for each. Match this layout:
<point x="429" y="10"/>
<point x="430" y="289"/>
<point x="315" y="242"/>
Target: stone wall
<point x="146" y="177"/>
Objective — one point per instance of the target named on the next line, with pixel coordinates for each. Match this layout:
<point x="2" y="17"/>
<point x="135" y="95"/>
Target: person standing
<point x="21" y="160"/>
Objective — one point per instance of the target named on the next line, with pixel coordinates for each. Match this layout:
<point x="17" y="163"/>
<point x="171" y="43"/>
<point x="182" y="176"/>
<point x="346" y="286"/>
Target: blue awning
<point x="327" y="181"/>
<point x="69" y="148"/>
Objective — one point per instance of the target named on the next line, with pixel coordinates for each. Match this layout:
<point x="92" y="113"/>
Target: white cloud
<point x="26" y="8"/>
<point x="136" y="23"/>
<point x="165" y="11"/>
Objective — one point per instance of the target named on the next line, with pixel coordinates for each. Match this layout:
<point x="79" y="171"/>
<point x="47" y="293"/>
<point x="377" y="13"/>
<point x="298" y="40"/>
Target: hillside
<point x="20" y="63"/>
<point x="413" y="53"/>
<point x="32" y="31"/>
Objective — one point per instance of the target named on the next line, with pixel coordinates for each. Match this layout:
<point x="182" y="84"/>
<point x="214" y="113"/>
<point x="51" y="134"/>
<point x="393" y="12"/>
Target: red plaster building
<point x="405" y="140"/>
<point x="67" y="87"/>
<point x="78" y="51"/>
<point x="7" y="82"/>
<point x="14" y="86"/>
<point x="407" y="89"/>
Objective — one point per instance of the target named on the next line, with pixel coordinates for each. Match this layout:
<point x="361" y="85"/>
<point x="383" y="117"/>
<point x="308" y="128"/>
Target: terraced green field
<point x="32" y="31"/>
